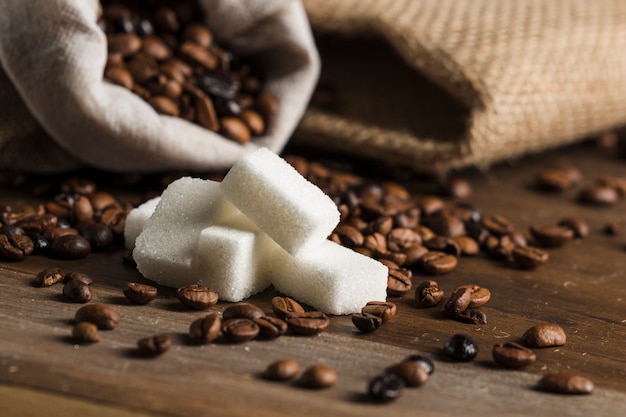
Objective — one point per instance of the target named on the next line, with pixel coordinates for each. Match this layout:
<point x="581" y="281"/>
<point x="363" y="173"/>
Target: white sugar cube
<point x="167" y="243"/>
<point x="290" y="209"/>
<point x="136" y="219"/>
<point x="331" y="278"/>
<point x="232" y="258"/>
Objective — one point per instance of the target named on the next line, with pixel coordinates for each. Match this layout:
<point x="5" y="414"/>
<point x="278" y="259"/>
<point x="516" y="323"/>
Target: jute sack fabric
<point x="439" y="84"/>
<point x="57" y="113"/>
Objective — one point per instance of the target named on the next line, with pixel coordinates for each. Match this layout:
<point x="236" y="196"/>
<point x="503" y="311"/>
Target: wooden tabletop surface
<point x="582" y="288"/>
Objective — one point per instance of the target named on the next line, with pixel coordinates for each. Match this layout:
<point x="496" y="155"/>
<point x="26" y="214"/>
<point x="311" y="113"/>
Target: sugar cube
<point x="167" y="243"/>
<point x="330" y="278"/>
<point x="290" y="209"/>
<point x="232" y="258"/>
<point x="136" y="219"/>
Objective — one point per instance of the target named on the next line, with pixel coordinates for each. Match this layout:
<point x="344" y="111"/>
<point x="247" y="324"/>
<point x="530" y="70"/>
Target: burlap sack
<point x="435" y="84"/>
<point x="57" y="113"/>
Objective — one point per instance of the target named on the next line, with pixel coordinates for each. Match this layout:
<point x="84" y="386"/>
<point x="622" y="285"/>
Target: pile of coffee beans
<point x="163" y="52"/>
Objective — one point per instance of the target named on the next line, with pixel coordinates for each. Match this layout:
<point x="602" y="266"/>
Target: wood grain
<point x="581" y="288"/>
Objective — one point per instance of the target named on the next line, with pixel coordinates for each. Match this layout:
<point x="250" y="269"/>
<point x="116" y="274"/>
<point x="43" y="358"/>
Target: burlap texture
<point x="436" y="84"/>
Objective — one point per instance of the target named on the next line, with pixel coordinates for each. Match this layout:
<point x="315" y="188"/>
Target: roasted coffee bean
<point x="479" y="296"/>
<point x="205" y="330"/>
<point x="558" y="179"/>
<point x="239" y="329"/>
<point x="401" y="238"/>
<point x="551" y="236"/>
<point x="414" y="254"/>
<point x="349" y="236"/>
<point x="471" y="316"/>
<point x="41" y="245"/>
<point x="498" y="225"/>
<point x="615" y="228"/>
<point x="375" y="242"/>
<point x="566" y="383"/>
<point x="282" y="370"/>
<point x="15" y="248"/>
<point x="366" y="322"/>
<point x="77" y="291"/>
<point x="383" y="309"/>
<point x="499" y="247"/>
<point x="422" y="361"/>
<point x="242" y="311"/>
<point x="207" y="116"/>
<point x="254" y="121"/>
<point x="578" y="226"/>
<point x="386" y="387"/>
<point x="198" y="34"/>
<point x="458" y="302"/>
<point x="544" y="335"/>
<point x="307" y="323"/>
<point x="445" y="224"/>
<point x="512" y="355"/>
<point x="101" y="315"/>
<point x="99" y="236"/>
<point x="267" y="106"/>
<point x="126" y="44"/>
<point x="529" y="257"/>
<point x="436" y="263"/>
<point x="85" y="332"/>
<point x="70" y="247"/>
<point x="164" y="105"/>
<point x="154" y="345"/>
<point x="318" y="376"/>
<point x="461" y="347"/>
<point x="139" y="293"/>
<point x="281" y="306"/>
<point x="78" y="276"/>
<point x="398" y="282"/>
<point x="411" y="372"/>
<point x="428" y="294"/>
<point x="217" y="86"/>
<point x="270" y="327"/>
<point x="429" y="205"/>
<point x="467" y="245"/>
<point x="197" y="297"/>
<point x="48" y="277"/>
<point x="78" y="185"/>
<point x="618" y="184"/>
<point x="444" y="244"/>
<point x="456" y="187"/>
<point x="599" y="195"/>
<point x="235" y="129"/>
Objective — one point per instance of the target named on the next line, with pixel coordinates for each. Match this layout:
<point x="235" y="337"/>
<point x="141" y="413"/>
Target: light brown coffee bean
<point x="155" y="47"/>
<point x="468" y="246"/>
<point x="281" y="306"/>
<point x="126" y="44"/>
<point x="48" y="277"/>
<point x="383" y="309"/>
<point x="307" y="323"/>
<point x="154" y="345"/>
<point x="15" y="248"/>
<point x="414" y="254"/>
<point x="457" y="303"/>
<point x="207" y="117"/>
<point x="428" y="294"/>
<point x="512" y="355"/>
<point x="197" y="297"/>
<point x="206" y="329"/>
<point x="551" y="236"/>
<point x="318" y="376"/>
<point x="198" y="34"/>
<point x="101" y="315"/>
<point x="529" y="257"/>
<point x="566" y="383"/>
<point x="558" y="179"/>
<point x="254" y="121"/>
<point x="139" y="293"/>
<point x="413" y="374"/>
<point x="164" y="105"/>
<point x="267" y="106"/>
<point x="85" y="332"/>
<point x="235" y="129"/>
<point x="120" y="76"/>
<point x="349" y="236"/>
<point x="436" y="263"/>
<point x="282" y="370"/>
<point x="544" y="335"/>
<point x="239" y="330"/>
<point x="479" y="296"/>
<point x="599" y="195"/>
<point x="199" y="55"/>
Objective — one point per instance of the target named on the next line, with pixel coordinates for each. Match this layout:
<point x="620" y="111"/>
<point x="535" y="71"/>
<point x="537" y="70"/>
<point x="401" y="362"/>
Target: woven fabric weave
<point x="438" y="84"/>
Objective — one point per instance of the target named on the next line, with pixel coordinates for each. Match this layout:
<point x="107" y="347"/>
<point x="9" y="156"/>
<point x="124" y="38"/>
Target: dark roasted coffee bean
<point x="267" y="106"/>
<point x="414" y="254"/>
<point x="551" y="236"/>
<point x="428" y="294"/>
<point x="457" y="303"/>
<point x="239" y="330"/>
<point x="558" y="179"/>
<point x="401" y="238"/>
<point x="15" y="248"/>
<point x="154" y="345"/>
<point x="78" y="276"/>
<point x="48" y="277"/>
<point x="270" y="327"/>
<point x="70" y="247"/>
<point x="165" y="19"/>
<point x="498" y="225"/>
<point x="77" y="291"/>
<point x="599" y="195"/>
<point x="349" y="236"/>
<point x="307" y="323"/>
<point x="429" y="205"/>
<point x="101" y="315"/>
<point x="471" y="316"/>
<point x="318" y="376"/>
<point x="366" y="322"/>
<point x="398" y="282"/>
<point x="139" y="293"/>
<point x="375" y="242"/>
<point x="422" y="361"/>
<point x="99" y="236"/>
<point x="282" y="370"/>
<point x="436" y="263"/>
<point x="544" y="335"/>
<point x="227" y="107"/>
<point x="444" y="244"/>
<point x="205" y="330"/>
<point x="218" y="86"/>
<point x="578" y="226"/>
<point x="41" y="245"/>
<point x="198" y="34"/>
<point x="78" y="185"/>
<point x="242" y="311"/>
<point x="461" y="347"/>
<point x="85" y="332"/>
<point x="197" y="297"/>
<point x="386" y="387"/>
<point x="411" y="372"/>
<point x="383" y="309"/>
<point x="529" y="257"/>
<point x="281" y="306"/>
<point x="479" y="296"/>
<point x="512" y="355"/>
<point x="445" y="224"/>
<point x="566" y="383"/>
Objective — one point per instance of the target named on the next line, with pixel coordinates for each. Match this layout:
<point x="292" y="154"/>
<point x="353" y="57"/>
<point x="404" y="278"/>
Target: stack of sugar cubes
<point x="263" y="225"/>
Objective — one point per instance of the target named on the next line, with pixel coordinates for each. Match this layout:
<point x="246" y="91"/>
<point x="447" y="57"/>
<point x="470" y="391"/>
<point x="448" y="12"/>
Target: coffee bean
<point x="70" y="247"/>
<point x="41" y="245"/>
<point x="456" y="187"/>
<point x="471" y="316"/>
<point x="599" y="195"/>
<point x="254" y="121"/>
<point x="558" y="179"/>
<point x="78" y="276"/>
<point x="551" y="236"/>
<point x="349" y="236"/>
<point x="281" y="306"/>
<point x="411" y="372"/>
<point x="578" y="226"/>
<point x="307" y="323"/>
<point x="529" y="257"/>
<point x="422" y="361"/>
<point x="154" y="345"/>
<point x="207" y="116"/>
<point x="101" y="315"/>
<point x="467" y="245"/>
<point x="385" y="310"/>
<point x="77" y="291"/>
<point x="398" y="282"/>
<point x="429" y="205"/>
<point x="120" y="76"/>
<point x="461" y="347"/>
<point x="139" y="293"/>
<point x="267" y="106"/>
<point x="458" y="302"/>
<point x="414" y="254"/>
<point x="239" y="329"/>
<point x="618" y="184"/>
<point x="512" y="355"/>
<point x="15" y="248"/>
<point x="401" y="238"/>
<point x="386" y="387"/>
<point x="445" y="224"/>
<point x="566" y="383"/>
<point x="164" y="105"/>
<point x="198" y="34"/>
<point x="126" y="44"/>
<point x="479" y="296"/>
<point x="428" y="294"/>
<point x="48" y="277"/>
<point x="85" y="332"/>
<point x="98" y="235"/>
<point x="270" y="327"/>
<point x="282" y="370"/>
<point x="499" y="247"/>
<point x="197" y="297"/>
<point x="206" y="329"/>
<point x="318" y="376"/>
<point x="617" y="227"/>
<point x="544" y="335"/>
<point x="235" y="129"/>
<point x="242" y="311"/>
<point x="498" y="225"/>
<point x="436" y="263"/>
<point x="366" y="322"/>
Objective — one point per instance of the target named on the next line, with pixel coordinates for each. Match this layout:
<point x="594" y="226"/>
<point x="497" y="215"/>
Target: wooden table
<point x="582" y="288"/>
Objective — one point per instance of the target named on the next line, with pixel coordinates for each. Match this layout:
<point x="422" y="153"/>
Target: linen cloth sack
<point x="439" y="84"/>
<point x="57" y="113"/>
